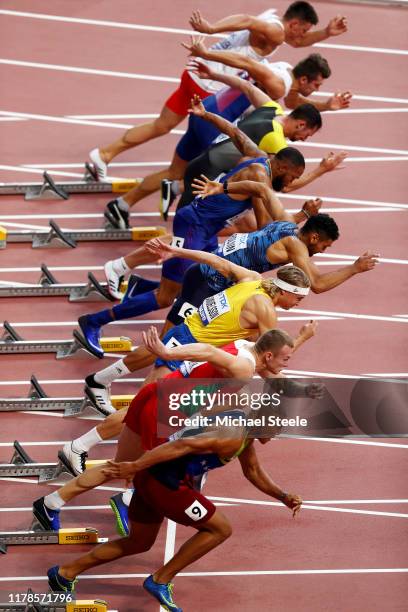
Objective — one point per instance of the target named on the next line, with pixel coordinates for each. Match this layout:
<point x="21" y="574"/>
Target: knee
<point x="222" y="531"/>
<point x="161" y="126"/>
<point x="165" y="298"/>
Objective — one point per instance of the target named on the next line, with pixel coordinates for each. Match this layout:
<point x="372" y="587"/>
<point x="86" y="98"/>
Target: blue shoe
<point x="59" y="584"/>
<point x="92" y="334"/>
<point x="137" y="285"/>
<point x="121" y="513"/>
<point x="163" y="593"/>
<point x="48" y="519"/>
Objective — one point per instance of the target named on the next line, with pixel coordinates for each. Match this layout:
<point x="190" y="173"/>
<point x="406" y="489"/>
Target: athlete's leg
<point x="209" y="535"/>
<point x="141" y="357"/>
<point x="141" y="538"/>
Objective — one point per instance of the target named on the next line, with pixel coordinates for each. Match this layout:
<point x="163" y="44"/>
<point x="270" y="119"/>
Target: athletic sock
<point x="127" y="496"/>
<point x="120" y="266"/>
<point x="54" y="501"/>
<point x="122" y="204"/>
<point x="87" y="441"/>
<point x="101" y="318"/>
<point x="108" y="375"/>
<point x="135" y="306"/>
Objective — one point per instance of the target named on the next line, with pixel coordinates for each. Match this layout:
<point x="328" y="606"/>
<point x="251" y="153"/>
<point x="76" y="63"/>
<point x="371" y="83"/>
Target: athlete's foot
<point x="101" y="167"/>
<point x="120" y="510"/>
<point x="99" y="395"/>
<point x="73" y="460"/>
<point x="114" y="280"/>
<point x="163" y="593"/>
<point x="59" y="584"/>
<point x="92" y="333"/>
<point x="48" y="519"/>
<point x="167" y="198"/>
<point x="116" y="216"/>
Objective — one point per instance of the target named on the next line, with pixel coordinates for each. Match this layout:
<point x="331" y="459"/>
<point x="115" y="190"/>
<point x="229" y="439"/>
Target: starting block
<point x="58" y="238"/>
<point x="39" y="401"/>
<point x="92" y="291"/>
<point x="49" y="189"/>
<point x="73" y="535"/>
<point x="12" y="343"/>
<point x="22" y="465"/>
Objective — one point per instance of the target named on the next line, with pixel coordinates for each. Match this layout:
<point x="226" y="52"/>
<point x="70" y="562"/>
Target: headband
<point x="291" y="288"/>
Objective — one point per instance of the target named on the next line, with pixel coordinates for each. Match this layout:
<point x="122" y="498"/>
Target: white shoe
<point x="99" y="395"/>
<point x="100" y="166"/>
<point x="114" y="280"/>
<point x="76" y="461"/>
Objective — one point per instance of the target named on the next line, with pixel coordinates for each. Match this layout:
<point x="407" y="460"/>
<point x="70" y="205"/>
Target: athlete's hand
<point x="308" y="330"/>
<point x="161" y="250"/>
<point x="336" y="26"/>
<point x="339" y="101"/>
<point x="367" y="261"/>
<point x="294" y="502"/>
<point x="196" y="47"/>
<point x="197" y="107"/>
<point x="199" y="24"/>
<point x="203" y="187"/>
<point x="312" y="207"/>
<point x="332" y="161"/>
<point x="202" y="70"/>
<point x="153" y="343"/>
<point x="315" y="390"/>
<point x="125" y="469"/>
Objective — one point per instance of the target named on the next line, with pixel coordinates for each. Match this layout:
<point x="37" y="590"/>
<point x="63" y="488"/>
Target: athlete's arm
<point x="338" y="101"/>
<point x="335" y="27"/>
<point x="255" y="95"/>
<point x="244" y="144"/>
<point x="223" y="266"/>
<point x="273" y="85"/>
<point x="273" y="32"/>
<point x="329" y="163"/>
<point x="258" y="313"/>
<point x="208" y="442"/>
<point x="320" y="282"/>
<point x="235" y="367"/>
<point x="254" y="472"/>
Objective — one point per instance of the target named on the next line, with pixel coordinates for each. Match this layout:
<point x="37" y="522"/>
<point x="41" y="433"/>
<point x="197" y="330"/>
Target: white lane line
<point x="74" y="268"/>
<point x="347" y="441"/>
<point x="108" y="577"/>
<point x="363" y="111"/>
<point x="346" y="147"/>
<point x="147" y="28"/>
<point x="357" y="501"/>
<point x="349" y="315"/>
<point x="354" y="257"/>
<point x="336" y="200"/>
<point x="54" y="381"/>
<point x="49" y="443"/>
<point x="326" y="114"/>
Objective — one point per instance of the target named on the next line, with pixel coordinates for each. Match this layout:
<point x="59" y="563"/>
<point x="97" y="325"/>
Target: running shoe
<point x="120" y="510"/>
<point x="48" y="519"/>
<point x="163" y="593"/>
<point x="92" y="334"/>
<point x="100" y="166"/>
<point x="73" y="460"/>
<point x="167" y="198"/>
<point x="114" y="280"/>
<point x="116" y="216"/>
<point x="99" y="395"/>
<point x="59" y="584"/>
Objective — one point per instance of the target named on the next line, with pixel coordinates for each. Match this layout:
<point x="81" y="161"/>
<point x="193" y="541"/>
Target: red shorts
<point x="152" y="501"/>
<point x="142" y="416"/>
<point x="180" y="101"/>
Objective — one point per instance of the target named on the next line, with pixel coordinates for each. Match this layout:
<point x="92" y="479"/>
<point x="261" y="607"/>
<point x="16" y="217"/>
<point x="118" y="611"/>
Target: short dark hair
<point x="311" y="67"/>
<point x="302" y="11"/>
<point x="292" y="156"/>
<point x="322" y="224"/>
<point x="309" y="114"/>
<point x="273" y="340"/>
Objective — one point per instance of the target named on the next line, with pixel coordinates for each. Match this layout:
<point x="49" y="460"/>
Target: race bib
<point x="235" y="243"/>
<point x="213" y="307"/>
<point x="196" y="511"/>
<point x="186" y="310"/>
<point x="188" y="366"/>
<point x="172" y="343"/>
<point x="176" y="241"/>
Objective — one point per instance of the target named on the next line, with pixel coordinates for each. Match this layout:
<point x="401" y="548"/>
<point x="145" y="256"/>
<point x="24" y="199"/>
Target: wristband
<point x="225" y="187"/>
<point x="307" y="215"/>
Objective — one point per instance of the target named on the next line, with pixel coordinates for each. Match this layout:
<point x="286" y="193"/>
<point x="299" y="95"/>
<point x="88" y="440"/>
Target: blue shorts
<point x="199" y="136"/>
<point x="174" y="337"/>
<point x="191" y="236"/>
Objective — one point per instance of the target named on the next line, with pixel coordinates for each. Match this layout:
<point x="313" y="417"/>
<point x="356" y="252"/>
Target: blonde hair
<point x="290" y="274"/>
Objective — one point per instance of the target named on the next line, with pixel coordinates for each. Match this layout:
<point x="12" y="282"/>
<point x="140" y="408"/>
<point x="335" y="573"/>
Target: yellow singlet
<point x="217" y="320"/>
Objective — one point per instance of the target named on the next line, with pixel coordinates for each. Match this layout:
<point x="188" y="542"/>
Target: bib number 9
<point x="196" y="511"/>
